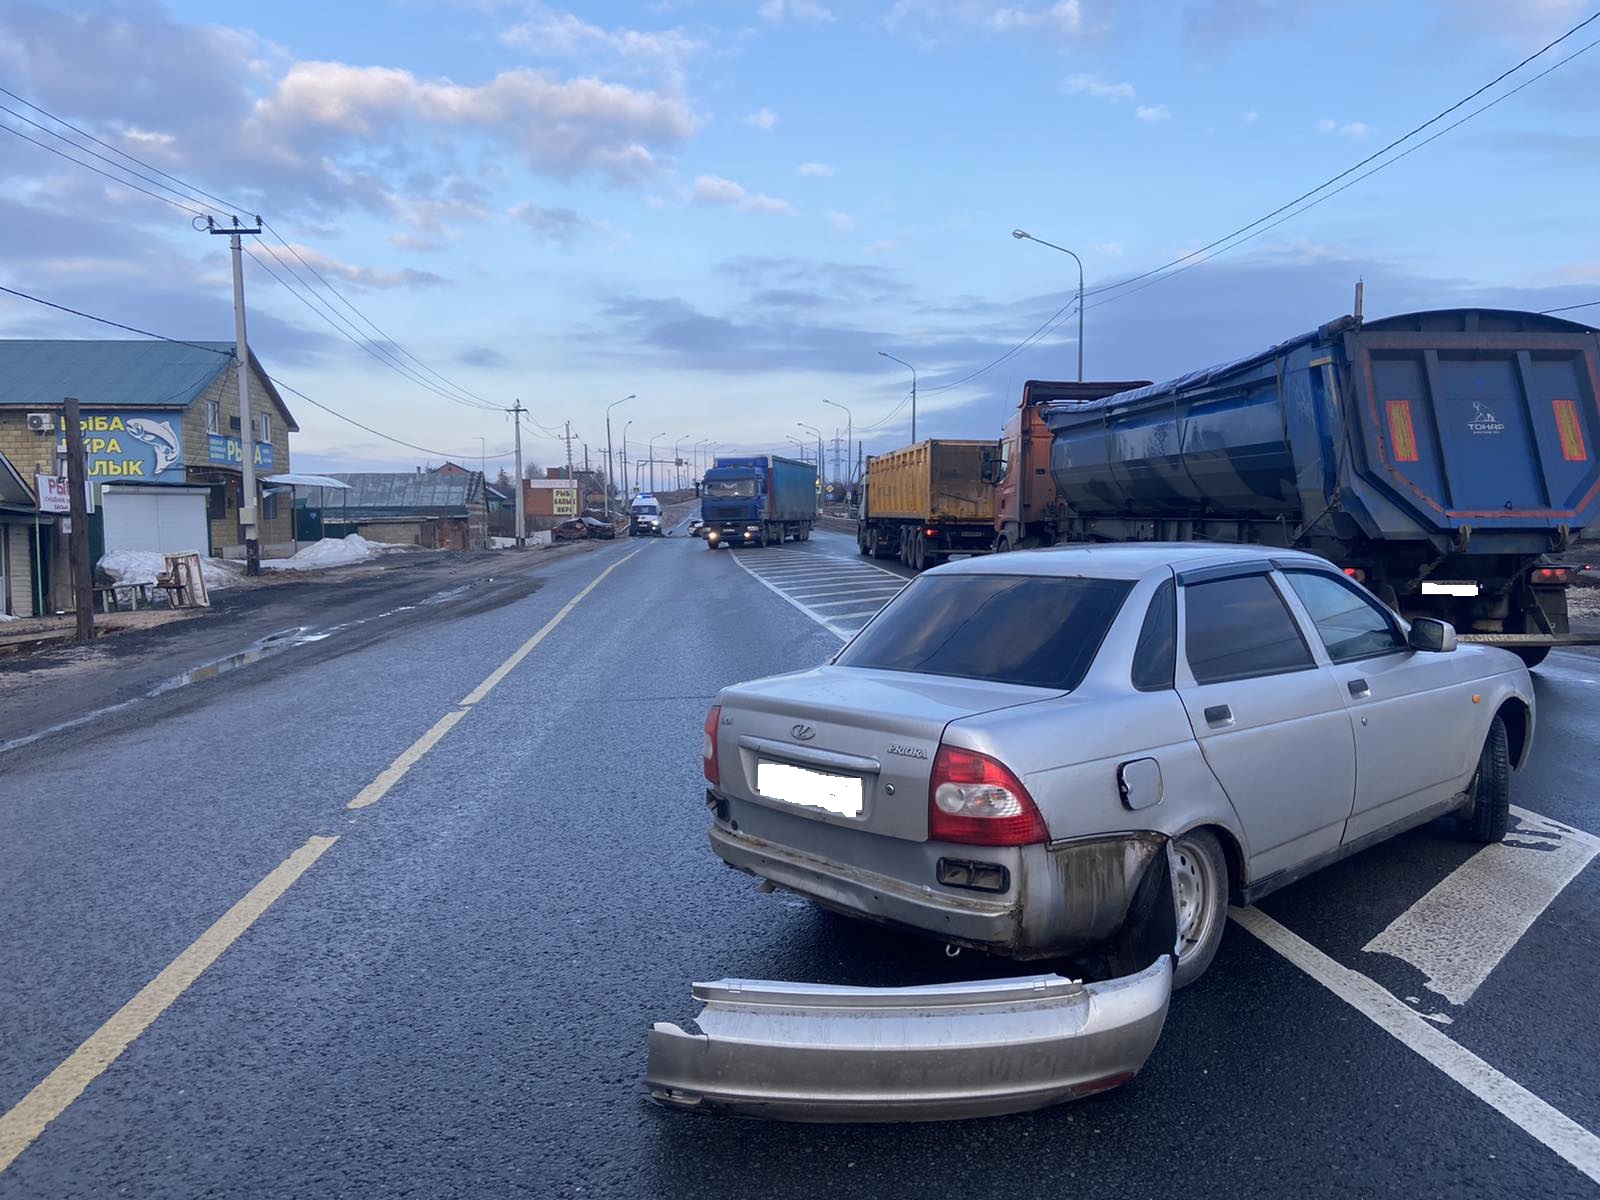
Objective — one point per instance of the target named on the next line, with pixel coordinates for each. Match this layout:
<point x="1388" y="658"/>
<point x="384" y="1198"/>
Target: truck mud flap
<point x="809" y="1052"/>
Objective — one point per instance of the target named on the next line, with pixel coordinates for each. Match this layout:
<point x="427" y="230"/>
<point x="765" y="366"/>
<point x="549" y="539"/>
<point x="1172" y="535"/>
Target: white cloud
<point x="371" y="277"/>
<point x="843" y="222"/>
<point x="763" y="119"/>
<point x="1098" y="86"/>
<point x="932" y="19"/>
<point x="1356" y="131"/>
<point x="883" y="247"/>
<point x="560" y="225"/>
<point x="814" y="170"/>
<point x="807" y="11"/>
<point x="1153" y="112"/>
<point x="716" y="190"/>
<point x="561" y="128"/>
<point x="1251" y="117"/>
<point x="1109" y="249"/>
<point x="551" y="33"/>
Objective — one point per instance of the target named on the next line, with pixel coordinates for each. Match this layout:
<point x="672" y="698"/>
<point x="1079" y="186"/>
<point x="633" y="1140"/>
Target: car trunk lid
<point x="849" y="746"/>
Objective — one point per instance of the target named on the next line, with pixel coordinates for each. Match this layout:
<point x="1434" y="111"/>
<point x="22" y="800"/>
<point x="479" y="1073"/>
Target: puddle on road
<point x="266" y="647"/>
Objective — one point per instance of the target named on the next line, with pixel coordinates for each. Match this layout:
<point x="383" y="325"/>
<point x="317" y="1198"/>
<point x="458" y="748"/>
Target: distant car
<point x="575" y="530"/>
<point x="998" y="756"/>
<point x="697" y="527"/>
<point x="603" y="530"/>
<point x="644" y="518"/>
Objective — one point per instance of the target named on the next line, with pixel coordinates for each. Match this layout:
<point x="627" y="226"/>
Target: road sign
<point x="55" y="495"/>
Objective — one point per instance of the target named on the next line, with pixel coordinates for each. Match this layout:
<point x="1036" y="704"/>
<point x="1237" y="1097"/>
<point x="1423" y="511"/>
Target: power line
<point x="1165" y="270"/>
<point x="226" y="205"/>
<point x="462" y="392"/>
<point x="1066" y="310"/>
<point x="161" y="337"/>
<point x="1568" y="307"/>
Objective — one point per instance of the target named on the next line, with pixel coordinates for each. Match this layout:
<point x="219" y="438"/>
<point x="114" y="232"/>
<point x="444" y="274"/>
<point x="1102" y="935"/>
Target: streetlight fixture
<point x="821" y="468"/>
<point x="625" y="458"/>
<point x="652" y="444"/>
<point x="611" y="478"/>
<point x="677" y="460"/>
<point x="1021" y="234"/>
<point x="701" y="465"/>
<point x="849" y="439"/>
<point x="804" y="449"/>
<point x="913" y="370"/>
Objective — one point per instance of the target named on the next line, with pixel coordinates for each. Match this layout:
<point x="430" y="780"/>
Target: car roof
<point x="1125" y="560"/>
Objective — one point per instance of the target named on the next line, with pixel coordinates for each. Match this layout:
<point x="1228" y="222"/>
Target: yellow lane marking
<point x="23" y="1124"/>
<point x="522" y="651"/>
<point x="395" y="771"/>
<point x="56" y="1091"/>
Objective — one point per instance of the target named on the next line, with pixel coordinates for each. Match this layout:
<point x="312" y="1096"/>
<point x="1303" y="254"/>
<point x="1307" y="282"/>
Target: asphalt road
<point x="452" y="997"/>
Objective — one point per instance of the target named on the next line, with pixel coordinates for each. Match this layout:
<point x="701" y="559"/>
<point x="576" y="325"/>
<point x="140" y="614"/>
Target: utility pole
<point x="247" y="433"/>
<point x="78" y="541"/>
<point x="516" y="411"/>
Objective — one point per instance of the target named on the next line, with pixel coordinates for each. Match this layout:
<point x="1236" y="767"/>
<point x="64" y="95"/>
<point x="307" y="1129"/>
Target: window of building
<point x="233" y="424"/>
<point x="264" y="425"/>
<point x="213" y="416"/>
<point x="1350" y="624"/>
<point x="269" y="506"/>
<point x="1238" y="628"/>
<point x="217" y="504"/>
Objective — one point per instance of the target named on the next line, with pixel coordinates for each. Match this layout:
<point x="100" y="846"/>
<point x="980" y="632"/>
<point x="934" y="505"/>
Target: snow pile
<point x="8" y="617"/>
<point x="142" y="566"/>
<point x="329" y="552"/>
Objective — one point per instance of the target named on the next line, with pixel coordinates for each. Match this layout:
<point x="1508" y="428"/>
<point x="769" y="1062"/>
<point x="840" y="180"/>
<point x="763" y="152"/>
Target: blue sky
<point x="727" y="207"/>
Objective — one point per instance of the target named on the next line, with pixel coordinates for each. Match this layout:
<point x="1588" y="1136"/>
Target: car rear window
<point x="1039" y="631"/>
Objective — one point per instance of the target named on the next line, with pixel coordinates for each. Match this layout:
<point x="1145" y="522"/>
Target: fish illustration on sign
<point x="158" y="435"/>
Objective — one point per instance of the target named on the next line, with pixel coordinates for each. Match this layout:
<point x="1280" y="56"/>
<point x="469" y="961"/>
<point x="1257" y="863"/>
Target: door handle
<point x="1359" y="689"/>
<point x="1219" y="715"/>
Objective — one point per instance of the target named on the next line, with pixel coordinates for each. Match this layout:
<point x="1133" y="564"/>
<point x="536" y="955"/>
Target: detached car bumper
<point x="806" y="1052"/>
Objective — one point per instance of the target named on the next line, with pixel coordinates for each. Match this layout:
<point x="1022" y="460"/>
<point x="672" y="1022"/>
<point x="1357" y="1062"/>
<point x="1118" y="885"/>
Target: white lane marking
<point x="53" y="1094"/>
<point x="813" y="590"/>
<point x="837" y="631"/>
<point x="858" y="601"/>
<point x="1540" y="1120"/>
<point x="1472" y="918"/>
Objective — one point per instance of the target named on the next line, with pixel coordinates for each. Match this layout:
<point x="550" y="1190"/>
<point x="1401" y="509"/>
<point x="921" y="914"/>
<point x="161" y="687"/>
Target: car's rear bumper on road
<point x="800" y="1052"/>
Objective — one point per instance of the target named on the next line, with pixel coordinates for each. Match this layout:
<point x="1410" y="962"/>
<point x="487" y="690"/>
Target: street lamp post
<point x="849" y="439"/>
<point x="611" y="478"/>
<point x="652" y="444"/>
<point x="702" y="462"/>
<point x="1021" y="234"/>
<point x="913" y="371"/>
<point x="804" y="449"/>
<point x="821" y="469"/>
<point x="625" y="458"/>
<point x="677" y="460"/>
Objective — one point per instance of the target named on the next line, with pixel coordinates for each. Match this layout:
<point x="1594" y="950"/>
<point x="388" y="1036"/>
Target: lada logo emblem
<point x="803" y="733"/>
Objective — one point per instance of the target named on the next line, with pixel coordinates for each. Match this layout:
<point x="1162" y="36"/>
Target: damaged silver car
<point x="1077" y="754"/>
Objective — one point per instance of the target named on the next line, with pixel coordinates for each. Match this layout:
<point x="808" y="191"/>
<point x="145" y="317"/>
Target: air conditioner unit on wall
<point x="41" y="422"/>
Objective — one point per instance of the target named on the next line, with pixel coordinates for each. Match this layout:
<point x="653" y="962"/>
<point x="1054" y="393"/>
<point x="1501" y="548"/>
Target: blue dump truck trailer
<point x="758" y="500"/>
<point x="1440" y="457"/>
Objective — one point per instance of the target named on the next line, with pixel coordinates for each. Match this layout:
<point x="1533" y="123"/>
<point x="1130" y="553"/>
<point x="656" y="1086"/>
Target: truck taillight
<point x="975" y="800"/>
<point x="1551" y="575"/>
<point x="708" y="753"/>
<point x="1356" y="573"/>
<point x="931" y="532"/>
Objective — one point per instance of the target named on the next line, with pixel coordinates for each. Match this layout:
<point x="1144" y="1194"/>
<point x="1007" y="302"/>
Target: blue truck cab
<point x="758" y="500"/>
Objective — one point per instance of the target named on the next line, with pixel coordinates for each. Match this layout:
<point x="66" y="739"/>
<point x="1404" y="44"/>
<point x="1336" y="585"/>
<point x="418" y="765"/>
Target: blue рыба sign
<point x="227" y="451"/>
<point x="141" y="447"/>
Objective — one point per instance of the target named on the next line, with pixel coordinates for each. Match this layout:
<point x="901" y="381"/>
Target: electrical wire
<point x="161" y="337"/>
<point x="1569" y="307"/>
<point x="107" y="174"/>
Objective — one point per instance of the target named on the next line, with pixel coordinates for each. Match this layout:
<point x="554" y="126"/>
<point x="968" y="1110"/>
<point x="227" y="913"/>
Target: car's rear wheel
<point x="1486" y="820"/>
<point x="1202" y="898"/>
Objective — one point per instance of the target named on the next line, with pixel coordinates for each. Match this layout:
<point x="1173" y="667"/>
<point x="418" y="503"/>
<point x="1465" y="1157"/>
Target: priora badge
<point x="803" y="733"/>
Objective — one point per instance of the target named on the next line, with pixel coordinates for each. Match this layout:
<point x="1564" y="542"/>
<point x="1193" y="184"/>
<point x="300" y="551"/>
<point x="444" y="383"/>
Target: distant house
<point x="437" y="510"/>
<point x="18" y="513"/>
<point x="163" y="440"/>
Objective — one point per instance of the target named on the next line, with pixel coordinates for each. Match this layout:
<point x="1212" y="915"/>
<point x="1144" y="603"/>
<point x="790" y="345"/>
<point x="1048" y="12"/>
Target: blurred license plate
<point x="1440" y="587"/>
<point x="839" y="794"/>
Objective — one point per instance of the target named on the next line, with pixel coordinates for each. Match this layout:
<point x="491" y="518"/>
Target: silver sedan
<point x="997" y="755"/>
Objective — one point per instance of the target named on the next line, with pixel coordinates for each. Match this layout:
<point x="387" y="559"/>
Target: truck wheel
<point x="1202" y="898"/>
<point x="1490" y="812"/>
<point x="1532" y="656"/>
<point x="1002" y="545"/>
<point x="863" y="545"/>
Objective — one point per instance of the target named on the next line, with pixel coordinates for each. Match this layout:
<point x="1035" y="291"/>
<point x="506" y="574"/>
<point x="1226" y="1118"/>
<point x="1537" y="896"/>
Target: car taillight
<point x="708" y="753"/>
<point x="975" y="800"/>
<point x="1551" y="575"/>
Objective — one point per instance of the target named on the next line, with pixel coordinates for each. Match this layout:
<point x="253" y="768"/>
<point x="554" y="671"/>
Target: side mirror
<point x="986" y="470"/>
<point x="1436" y="637"/>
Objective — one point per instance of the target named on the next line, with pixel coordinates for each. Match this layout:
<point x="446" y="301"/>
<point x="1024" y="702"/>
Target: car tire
<point x="1486" y="820"/>
<point x="1202" y="900"/>
<point x="1532" y="656"/>
<point x="863" y="546"/>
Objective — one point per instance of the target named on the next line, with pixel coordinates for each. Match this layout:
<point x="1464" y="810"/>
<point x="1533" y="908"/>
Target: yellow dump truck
<point x="925" y="502"/>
